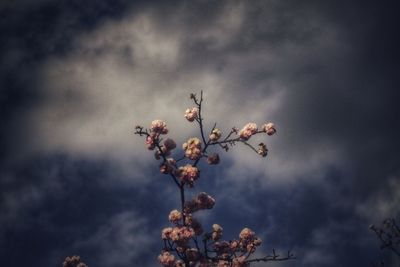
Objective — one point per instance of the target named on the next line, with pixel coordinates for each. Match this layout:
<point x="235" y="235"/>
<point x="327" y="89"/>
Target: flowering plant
<point x="182" y="240"/>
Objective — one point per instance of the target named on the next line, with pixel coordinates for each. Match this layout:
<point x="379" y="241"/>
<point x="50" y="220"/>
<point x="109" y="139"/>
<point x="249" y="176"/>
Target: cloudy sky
<point x="76" y="76"/>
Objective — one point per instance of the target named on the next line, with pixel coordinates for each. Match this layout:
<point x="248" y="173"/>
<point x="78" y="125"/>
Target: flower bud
<point x="150" y="143"/>
<point x="239" y="261"/>
<point x="215" y="135"/>
<point x="246" y="233"/>
<point x="175" y="216"/>
<point x="166" y="259"/>
<point x="166" y="233"/>
<point x="213" y="159"/>
<point x="192" y="148"/>
<point x="169" y="144"/>
<point x="262" y="150"/>
<point x="159" y="127"/>
<point x="191" y="114"/>
<point x="168" y="167"/>
<point x="217" y="232"/>
<point x="247" y="131"/>
<point x="269" y="128"/>
<point x="188" y="174"/>
<point x="257" y="241"/>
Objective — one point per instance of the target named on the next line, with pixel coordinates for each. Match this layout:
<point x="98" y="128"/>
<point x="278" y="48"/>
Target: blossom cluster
<point x="157" y="128"/>
<point x="166" y="258"/>
<point x="269" y="128"/>
<point x="201" y="202"/>
<point x="251" y="129"/>
<point x="248" y="130"/>
<point x="188" y="174"/>
<point x="191" y="114"/>
<point x="227" y="253"/>
<point x="169" y="166"/>
<point x="167" y="147"/>
<point x="213" y="159"/>
<point x="192" y="148"/>
<point x="215" y="135"/>
<point x="178" y="239"/>
<point x="73" y="261"/>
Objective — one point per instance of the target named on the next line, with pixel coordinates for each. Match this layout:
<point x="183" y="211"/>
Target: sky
<point x="77" y="76"/>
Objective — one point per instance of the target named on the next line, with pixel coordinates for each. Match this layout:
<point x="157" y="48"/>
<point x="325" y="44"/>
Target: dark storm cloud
<point x="56" y="206"/>
<point x="324" y="72"/>
<point x="31" y="31"/>
<point x="48" y="202"/>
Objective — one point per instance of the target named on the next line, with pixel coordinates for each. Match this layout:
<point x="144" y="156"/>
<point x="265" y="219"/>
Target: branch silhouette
<point x="181" y="242"/>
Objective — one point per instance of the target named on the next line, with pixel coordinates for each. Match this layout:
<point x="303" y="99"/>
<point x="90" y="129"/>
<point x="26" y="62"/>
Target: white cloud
<point x="223" y="31"/>
<point x="135" y="70"/>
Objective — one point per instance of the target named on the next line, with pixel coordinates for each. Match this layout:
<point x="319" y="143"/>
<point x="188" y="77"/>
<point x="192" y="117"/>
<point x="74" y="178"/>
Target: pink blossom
<point x="188" y="174"/>
<point x="168" y="167"/>
<point x="251" y="244"/>
<point x="192" y="222"/>
<point x="169" y="144"/>
<point x="166" y="259"/>
<point x="201" y="202"/>
<point x="159" y="127"/>
<point x="239" y="262"/>
<point x="246" y="234"/>
<point x="234" y="244"/>
<point x="248" y="130"/>
<point x="175" y="234"/>
<point x="175" y="216"/>
<point x="72" y="261"/>
<point x="213" y="159"/>
<point x="217" y="232"/>
<point x="216" y="236"/>
<point x="191" y="114"/>
<point x="150" y="143"/>
<point x="269" y="128"/>
<point x="181" y="234"/>
<point x="192" y="148"/>
<point x="217" y="228"/>
<point x="204" y="201"/>
<point x="215" y="135"/>
<point x="187" y="232"/>
<point x="165" y="234"/>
